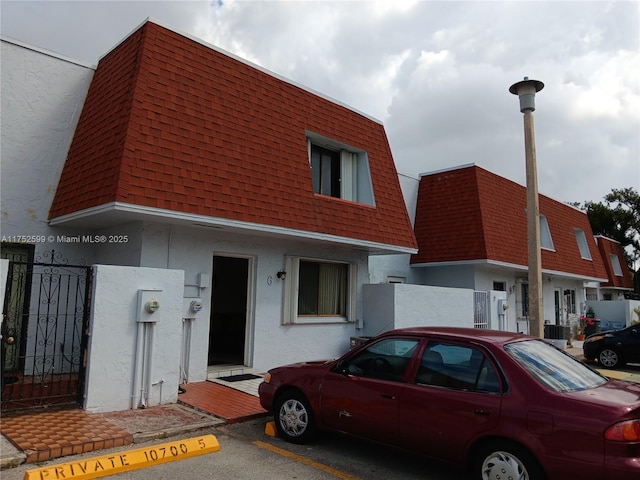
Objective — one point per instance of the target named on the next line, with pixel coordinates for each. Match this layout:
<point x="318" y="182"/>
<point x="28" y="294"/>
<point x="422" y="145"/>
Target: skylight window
<point x="581" y="238"/>
<point x="615" y="264"/>
<point x="545" y="234"/>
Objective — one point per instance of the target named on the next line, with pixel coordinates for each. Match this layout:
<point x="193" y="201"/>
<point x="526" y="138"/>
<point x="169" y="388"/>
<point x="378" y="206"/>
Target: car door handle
<point x="387" y="395"/>
<point x="481" y="413"/>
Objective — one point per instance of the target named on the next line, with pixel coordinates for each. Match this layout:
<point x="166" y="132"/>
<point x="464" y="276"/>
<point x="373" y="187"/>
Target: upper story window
<point x="545" y="234"/>
<point x="615" y="264"/>
<point x="339" y="171"/>
<point x="581" y="238"/>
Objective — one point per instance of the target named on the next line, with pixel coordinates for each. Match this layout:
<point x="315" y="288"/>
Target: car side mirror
<point x="346" y="368"/>
<point x="340" y="368"/>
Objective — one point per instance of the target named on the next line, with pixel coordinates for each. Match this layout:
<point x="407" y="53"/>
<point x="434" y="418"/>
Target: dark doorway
<point x="228" y="321"/>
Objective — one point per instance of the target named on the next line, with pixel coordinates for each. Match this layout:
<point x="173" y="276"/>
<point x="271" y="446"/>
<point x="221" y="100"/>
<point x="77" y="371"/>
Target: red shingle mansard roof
<point x="470" y="214"/>
<point x="610" y="247"/>
<point x="173" y="124"/>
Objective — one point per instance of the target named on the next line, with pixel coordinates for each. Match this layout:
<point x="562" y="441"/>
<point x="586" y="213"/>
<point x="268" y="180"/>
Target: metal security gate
<point x="481" y="310"/>
<point x="44" y="332"/>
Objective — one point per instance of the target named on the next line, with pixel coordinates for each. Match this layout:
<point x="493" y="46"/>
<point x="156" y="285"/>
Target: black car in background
<point x="615" y="348"/>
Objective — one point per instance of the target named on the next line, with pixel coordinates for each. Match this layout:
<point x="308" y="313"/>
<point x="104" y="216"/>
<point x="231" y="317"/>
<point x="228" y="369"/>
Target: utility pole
<point x="526" y="90"/>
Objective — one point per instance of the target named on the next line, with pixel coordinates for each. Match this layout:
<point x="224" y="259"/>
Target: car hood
<point x="315" y="365"/>
<point x="608" y="333"/>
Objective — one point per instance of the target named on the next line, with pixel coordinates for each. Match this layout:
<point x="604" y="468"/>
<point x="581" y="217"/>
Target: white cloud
<point x="612" y="89"/>
<point x="437" y="73"/>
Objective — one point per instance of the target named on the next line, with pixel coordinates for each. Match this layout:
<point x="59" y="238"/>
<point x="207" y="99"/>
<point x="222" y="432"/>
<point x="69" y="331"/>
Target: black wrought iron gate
<point x="44" y="332"/>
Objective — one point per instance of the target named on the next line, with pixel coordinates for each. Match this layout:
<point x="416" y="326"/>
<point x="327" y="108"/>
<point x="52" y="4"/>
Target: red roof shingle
<point x="173" y="124"/>
<point x="609" y="248"/>
<point x="470" y="214"/>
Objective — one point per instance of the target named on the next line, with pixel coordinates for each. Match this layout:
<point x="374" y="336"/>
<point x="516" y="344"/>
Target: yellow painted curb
<point x="126" y="460"/>
<point x="613" y="374"/>
<point x="270" y="429"/>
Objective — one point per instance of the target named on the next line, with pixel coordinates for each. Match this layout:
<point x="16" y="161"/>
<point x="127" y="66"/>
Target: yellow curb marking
<point x="126" y="460"/>
<point x="629" y="377"/>
<point x="306" y="461"/>
<point x="613" y="374"/>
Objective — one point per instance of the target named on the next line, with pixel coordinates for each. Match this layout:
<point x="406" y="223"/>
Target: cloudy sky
<point x="437" y="73"/>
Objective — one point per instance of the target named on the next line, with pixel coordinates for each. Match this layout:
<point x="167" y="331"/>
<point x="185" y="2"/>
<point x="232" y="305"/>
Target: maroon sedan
<point x="507" y="405"/>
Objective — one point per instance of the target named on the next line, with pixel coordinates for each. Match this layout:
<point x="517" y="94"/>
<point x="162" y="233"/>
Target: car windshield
<point x="552" y="368"/>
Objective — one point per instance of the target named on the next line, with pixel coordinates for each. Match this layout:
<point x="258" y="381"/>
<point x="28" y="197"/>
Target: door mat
<point x="239" y="378"/>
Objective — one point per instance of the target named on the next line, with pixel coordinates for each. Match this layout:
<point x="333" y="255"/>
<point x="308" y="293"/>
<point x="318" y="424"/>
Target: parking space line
<point x="307" y="461"/>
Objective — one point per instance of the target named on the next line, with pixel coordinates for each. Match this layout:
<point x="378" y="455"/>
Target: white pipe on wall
<point x="186" y="347"/>
<point x="137" y="368"/>
<point x="148" y="364"/>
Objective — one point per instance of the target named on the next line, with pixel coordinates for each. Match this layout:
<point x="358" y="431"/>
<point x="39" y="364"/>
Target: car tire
<point x="294" y="418"/>
<point x="503" y="459"/>
<point x="609" y="358"/>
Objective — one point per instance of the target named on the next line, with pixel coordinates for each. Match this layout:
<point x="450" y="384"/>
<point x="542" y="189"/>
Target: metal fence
<point x="481" y="310"/>
<point x="46" y="314"/>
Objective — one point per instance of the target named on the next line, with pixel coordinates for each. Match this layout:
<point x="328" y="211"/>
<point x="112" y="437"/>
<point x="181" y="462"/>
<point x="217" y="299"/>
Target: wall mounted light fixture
<point x="281" y="274"/>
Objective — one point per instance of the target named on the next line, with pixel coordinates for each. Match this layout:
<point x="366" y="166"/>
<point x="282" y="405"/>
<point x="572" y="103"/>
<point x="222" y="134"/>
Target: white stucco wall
<point x="619" y="312"/>
<point x="42" y="98"/>
<point x="269" y="343"/>
<point x="389" y="306"/>
<point x="385" y="268"/>
<point x="113" y="338"/>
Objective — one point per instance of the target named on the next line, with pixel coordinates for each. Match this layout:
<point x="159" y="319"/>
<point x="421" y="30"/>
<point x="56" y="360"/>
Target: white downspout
<point x="148" y="363"/>
<point x="188" y="322"/>
<point x="137" y="380"/>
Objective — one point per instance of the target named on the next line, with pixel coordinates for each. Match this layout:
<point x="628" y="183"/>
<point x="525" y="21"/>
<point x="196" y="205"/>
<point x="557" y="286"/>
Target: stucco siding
<point x="269" y="342"/>
<point x="42" y="96"/>
<point x="114" y="337"/>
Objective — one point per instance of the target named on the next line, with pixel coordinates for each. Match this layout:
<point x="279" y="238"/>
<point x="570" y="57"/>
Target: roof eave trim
<point x="206" y="221"/>
<point x="46" y="52"/>
<point x="513" y="266"/>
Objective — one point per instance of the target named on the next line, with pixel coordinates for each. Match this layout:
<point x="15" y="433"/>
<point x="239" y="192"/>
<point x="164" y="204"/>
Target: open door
<point x="228" y="322"/>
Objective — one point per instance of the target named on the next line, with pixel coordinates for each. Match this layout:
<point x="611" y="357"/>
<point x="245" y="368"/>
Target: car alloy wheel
<point x="609" y="358"/>
<point x="506" y="461"/>
<point x="294" y="418"/>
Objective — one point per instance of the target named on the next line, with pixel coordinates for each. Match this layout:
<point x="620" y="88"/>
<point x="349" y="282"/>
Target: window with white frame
<point x="545" y="234"/>
<point x="581" y="238"/>
<point x="615" y="264"/>
<point x="319" y="291"/>
<point x="338" y="170"/>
